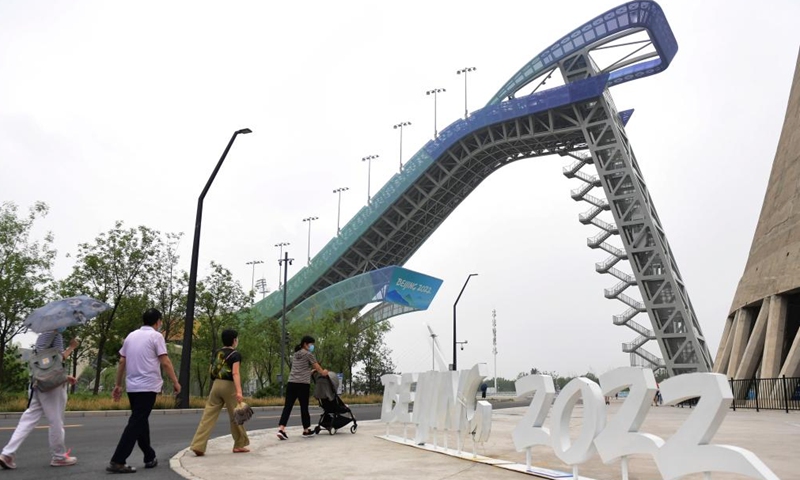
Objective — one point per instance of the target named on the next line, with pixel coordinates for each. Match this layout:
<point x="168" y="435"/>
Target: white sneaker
<point x="7" y="462"/>
<point x="65" y="461"/>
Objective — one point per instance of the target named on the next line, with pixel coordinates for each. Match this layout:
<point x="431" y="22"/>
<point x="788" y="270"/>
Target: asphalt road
<point x="93" y="440"/>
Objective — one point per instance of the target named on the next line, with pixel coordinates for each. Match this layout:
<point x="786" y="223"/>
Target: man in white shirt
<point x="142" y="356"/>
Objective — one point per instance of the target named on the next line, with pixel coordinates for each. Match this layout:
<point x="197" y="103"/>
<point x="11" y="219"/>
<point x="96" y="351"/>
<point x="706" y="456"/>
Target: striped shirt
<point x="302" y="366"/>
<point x="51" y="339"/>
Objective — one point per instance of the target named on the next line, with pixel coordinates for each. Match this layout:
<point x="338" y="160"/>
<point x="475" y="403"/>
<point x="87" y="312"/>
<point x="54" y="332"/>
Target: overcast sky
<point x="120" y="110"/>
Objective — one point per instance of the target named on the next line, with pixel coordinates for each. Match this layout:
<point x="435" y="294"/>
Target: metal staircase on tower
<point x="639" y="356"/>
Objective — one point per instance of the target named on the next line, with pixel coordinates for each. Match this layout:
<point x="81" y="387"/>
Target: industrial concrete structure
<point x="761" y="332"/>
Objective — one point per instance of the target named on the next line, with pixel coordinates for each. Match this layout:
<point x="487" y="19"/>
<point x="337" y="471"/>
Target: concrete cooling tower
<point x="761" y="332"/>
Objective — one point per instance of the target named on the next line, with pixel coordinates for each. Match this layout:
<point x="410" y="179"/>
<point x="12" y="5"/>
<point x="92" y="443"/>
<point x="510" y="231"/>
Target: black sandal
<point x="119" y="468"/>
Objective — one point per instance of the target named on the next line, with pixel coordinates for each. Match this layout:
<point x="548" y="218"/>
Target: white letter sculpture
<point x="688" y="450"/>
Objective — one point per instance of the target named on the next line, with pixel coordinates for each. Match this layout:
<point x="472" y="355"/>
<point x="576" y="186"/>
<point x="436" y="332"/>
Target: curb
<point x="163" y="411"/>
<point x="127" y="413"/>
<point x="176" y="466"/>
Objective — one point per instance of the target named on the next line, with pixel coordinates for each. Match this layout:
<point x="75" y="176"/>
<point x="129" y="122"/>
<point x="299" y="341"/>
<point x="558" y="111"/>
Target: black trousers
<point x="296" y="391"/>
<point x="138" y="428"/>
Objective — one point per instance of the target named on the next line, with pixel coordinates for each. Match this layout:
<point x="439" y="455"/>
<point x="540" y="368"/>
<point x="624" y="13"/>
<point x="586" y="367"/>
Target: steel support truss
<point x="664" y="298"/>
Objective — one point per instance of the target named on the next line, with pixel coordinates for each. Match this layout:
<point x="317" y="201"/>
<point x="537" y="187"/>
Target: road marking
<point x="268" y="416"/>
<point x="41" y="427"/>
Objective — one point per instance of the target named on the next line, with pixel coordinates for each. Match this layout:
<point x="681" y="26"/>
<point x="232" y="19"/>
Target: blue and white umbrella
<point x="65" y="313"/>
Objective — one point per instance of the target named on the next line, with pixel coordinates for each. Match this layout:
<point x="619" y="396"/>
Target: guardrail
<point x="766" y="393"/>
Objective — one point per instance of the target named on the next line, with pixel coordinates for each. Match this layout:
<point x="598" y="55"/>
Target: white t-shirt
<point x="141" y="350"/>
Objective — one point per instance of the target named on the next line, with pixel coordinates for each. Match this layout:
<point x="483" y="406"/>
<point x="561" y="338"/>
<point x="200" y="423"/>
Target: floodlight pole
<point x="253" y="277"/>
<point x="339" y="209"/>
<point x="400" y="126"/>
<point x="188" y="326"/>
<point x="465" y="70"/>
<point x="455" y="343"/>
<point x="435" y="92"/>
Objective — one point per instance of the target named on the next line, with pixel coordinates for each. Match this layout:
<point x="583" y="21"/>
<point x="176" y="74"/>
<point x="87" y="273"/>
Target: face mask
<point x="62" y="329"/>
<point x="311" y="348"/>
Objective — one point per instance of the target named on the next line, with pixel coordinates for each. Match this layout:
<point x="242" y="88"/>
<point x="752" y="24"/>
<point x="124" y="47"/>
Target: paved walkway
<point x="773" y="436"/>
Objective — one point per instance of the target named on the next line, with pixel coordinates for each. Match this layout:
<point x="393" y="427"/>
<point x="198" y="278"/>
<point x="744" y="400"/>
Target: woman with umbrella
<point x="50" y="321"/>
<point x="51" y="404"/>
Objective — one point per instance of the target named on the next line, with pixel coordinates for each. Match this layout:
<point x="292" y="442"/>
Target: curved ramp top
<point x="600" y="30"/>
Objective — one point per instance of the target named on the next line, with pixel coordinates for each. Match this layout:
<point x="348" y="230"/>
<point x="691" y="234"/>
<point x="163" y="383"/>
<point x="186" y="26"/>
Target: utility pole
<point x="285" y="261"/>
<point x="280" y="255"/>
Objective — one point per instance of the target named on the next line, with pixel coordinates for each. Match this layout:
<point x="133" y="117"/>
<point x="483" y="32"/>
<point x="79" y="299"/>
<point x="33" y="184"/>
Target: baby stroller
<point x="336" y="414"/>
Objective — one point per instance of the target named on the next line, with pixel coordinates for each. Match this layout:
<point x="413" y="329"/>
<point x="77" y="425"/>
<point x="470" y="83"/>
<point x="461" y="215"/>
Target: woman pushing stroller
<point x="299" y="386"/>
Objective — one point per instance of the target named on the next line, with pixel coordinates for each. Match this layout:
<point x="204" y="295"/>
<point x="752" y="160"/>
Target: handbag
<point x="242" y="413"/>
<point x="47" y="370"/>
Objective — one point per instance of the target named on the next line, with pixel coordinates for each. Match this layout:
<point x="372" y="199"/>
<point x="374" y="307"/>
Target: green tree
<point x="169" y="286"/>
<point x="16" y="373"/>
<point x="112" y="269"/>
<point x="25" y="279"/>
<point x="259" y="343"/>
<point x="375" y="358"/>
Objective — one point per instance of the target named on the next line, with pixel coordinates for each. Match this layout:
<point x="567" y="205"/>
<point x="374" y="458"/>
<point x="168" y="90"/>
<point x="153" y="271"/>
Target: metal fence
<point x="766" y="393"/>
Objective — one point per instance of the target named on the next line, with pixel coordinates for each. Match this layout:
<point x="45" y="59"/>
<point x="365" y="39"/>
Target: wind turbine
<point x="436" y="351"/>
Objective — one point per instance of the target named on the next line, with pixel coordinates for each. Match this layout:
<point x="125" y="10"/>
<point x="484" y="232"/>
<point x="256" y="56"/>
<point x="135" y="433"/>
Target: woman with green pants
<point x="226" y="390"/>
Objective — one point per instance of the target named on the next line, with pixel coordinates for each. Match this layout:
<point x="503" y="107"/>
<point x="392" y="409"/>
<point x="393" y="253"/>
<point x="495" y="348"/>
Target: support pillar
<point x="791" y="367"/>
<point x="741" y="332"/>
<point x="776" y="330"/>
<point x="755" y="346"/>
<point x="726" y="345"/>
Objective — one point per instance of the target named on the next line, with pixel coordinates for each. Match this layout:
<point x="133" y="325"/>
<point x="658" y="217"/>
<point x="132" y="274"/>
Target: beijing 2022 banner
<point x="412" y="289"/>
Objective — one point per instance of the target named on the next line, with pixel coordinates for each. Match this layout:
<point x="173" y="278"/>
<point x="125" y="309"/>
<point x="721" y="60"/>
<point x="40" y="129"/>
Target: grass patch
<point x="89" y="402"/>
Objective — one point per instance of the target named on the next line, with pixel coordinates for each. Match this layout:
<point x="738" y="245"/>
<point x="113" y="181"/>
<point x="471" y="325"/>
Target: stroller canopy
<point x="326" y="387"/>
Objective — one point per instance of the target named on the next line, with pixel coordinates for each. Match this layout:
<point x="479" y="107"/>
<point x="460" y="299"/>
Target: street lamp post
<point x="188" y="326"/>
<point x="253" y="278"/>
<point x="455" y="364"/>
<point x="433" y="350"/>
<point x="435" y="92"/>
<point x="309" y="220"/>
<point x="369" y="159"/>
<point x="465" y="70"/>
<point x="280" y="255"/>
<point x="285" y="261"/>
<point x="339" y="210"/>
<point x="400" y="126"/>
<point x="494" y="346"/>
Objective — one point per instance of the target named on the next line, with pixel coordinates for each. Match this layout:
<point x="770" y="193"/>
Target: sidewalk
<point x="772" y="436"/>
